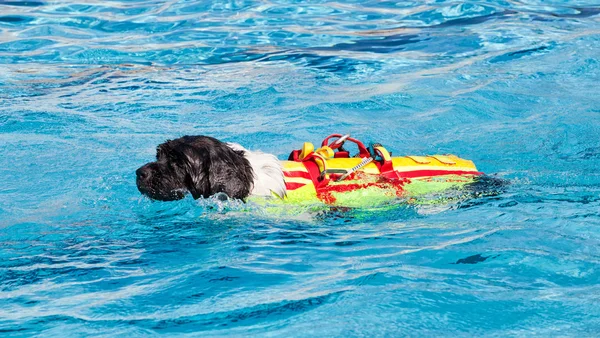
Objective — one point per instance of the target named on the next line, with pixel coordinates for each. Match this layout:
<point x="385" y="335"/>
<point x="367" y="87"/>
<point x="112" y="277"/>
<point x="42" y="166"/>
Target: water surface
<point x="89" y="88"/>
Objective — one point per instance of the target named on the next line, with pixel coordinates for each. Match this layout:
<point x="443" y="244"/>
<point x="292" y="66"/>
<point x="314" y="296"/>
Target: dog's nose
<point x="143" y="173"/>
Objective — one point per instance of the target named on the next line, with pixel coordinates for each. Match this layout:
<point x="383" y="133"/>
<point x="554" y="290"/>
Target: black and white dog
<point x="205" y="166"/>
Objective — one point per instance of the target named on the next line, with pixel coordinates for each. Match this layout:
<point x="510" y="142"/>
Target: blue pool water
<point x="89" y="88"/>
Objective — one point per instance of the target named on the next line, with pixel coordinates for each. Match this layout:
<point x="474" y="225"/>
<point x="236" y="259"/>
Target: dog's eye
<point x="174" y="165"/>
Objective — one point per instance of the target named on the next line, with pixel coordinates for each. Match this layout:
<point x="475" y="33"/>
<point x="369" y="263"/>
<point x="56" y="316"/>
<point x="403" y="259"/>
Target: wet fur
<point x="205" y="166"/>
<point x="200" y="165"/>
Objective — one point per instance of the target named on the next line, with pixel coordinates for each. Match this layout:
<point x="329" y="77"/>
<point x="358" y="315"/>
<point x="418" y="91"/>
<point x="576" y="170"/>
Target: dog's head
<point x="201" y="165"/>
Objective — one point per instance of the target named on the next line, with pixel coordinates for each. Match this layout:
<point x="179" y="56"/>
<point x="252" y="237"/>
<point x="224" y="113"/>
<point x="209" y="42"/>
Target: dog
<point x="204" y="166"/>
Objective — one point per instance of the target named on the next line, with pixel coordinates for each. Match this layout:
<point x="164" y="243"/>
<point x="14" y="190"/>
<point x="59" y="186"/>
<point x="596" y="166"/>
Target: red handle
<point x="362" y="150"/>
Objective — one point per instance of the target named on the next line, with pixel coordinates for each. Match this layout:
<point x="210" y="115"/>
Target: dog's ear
<point x="196" y="166"/>
<point x="230" y="172"/>
<point x="190" y="163"/>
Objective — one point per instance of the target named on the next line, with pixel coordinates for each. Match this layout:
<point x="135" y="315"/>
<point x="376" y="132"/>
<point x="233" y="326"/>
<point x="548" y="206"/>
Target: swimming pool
<point x="89" y="88"/>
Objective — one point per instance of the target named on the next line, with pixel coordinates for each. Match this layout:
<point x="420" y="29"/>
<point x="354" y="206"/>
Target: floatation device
<point x="330" y="175"/>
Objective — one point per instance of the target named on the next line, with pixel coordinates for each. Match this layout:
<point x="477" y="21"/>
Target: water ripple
<point x="89" y="88"/>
